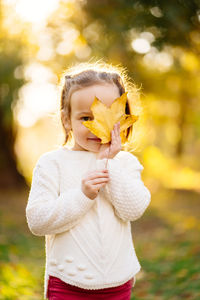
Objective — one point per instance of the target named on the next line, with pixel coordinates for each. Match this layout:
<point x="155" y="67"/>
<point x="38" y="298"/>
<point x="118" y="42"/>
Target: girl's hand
<point x="109" y="150"/>
<point x="93" y="181"/>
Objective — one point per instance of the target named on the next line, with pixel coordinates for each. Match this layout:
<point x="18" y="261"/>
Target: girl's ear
<point x="66" y="120"/>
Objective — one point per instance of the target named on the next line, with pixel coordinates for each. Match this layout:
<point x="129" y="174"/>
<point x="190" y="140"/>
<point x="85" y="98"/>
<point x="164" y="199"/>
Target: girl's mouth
<point x="95" y="139"/>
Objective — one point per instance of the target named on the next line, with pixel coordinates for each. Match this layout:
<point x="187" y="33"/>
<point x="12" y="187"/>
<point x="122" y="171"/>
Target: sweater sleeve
<point x="47" y="210"/>
<point x="126" y="190"/>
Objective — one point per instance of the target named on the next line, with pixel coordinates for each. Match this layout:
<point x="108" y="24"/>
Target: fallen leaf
<point x="106" y="117"/>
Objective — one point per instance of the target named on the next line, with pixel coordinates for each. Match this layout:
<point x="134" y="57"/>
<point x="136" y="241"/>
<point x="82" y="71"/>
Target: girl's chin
<point x="94" y="148"/>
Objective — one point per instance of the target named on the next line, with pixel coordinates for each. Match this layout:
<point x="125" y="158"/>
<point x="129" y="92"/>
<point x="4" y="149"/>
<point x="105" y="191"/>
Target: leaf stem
<point x="107" y="157"/>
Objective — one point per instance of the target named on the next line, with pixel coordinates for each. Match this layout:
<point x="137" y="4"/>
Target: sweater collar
<point x="78" y="152"/>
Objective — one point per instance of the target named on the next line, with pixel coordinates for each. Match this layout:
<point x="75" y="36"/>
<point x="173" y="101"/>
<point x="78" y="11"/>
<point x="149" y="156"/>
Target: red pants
<point x="59" y="290"/>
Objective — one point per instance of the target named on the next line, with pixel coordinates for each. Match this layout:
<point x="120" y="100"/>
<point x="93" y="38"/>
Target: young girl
<point x="83" y="208"/>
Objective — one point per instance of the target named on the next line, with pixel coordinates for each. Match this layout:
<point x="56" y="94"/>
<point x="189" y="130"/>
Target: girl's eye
<point x="85" y="117"/>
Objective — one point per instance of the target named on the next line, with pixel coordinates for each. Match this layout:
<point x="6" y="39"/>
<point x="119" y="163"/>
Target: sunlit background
<point x="159" y="44"/>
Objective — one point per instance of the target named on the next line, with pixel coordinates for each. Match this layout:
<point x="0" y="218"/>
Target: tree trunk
<point x="9" y="175"/>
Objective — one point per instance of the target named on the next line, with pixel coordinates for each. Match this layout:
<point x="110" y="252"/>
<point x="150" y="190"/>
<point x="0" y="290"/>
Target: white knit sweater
<point x="88" y="243"/>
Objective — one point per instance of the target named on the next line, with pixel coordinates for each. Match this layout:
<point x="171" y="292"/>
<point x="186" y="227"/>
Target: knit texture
<point x="88" y="243"/>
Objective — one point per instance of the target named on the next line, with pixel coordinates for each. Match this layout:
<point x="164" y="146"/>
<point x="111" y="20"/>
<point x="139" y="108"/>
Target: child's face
<point x="81" y="101"/>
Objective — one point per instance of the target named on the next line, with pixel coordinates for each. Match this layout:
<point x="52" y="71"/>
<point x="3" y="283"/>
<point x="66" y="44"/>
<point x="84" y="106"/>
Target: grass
<point x="166" y="239"/>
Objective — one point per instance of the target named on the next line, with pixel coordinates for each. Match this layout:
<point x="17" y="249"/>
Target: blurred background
<point x="159" y="44"/>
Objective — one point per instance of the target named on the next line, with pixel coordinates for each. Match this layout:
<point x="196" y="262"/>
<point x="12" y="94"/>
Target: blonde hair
<point x="86" y="74"/>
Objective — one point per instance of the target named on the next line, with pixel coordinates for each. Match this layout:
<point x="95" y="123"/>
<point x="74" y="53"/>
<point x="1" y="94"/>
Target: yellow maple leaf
<point x="106" y="117"/>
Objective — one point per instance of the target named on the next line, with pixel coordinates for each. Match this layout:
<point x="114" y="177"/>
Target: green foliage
<point x="16" y="282"/>
<point x="21" y="254"/>
<point x="174" y="20"/>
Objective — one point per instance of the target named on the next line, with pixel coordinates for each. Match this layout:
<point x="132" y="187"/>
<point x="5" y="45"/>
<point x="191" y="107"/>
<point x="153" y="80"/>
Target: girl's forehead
<point x="82" y="99"/>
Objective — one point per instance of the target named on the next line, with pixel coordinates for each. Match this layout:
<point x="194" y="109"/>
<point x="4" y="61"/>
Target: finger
<point x="98" y="181"/>
<point x="98" y="186"/>
<point x="97" y="178"/>
<point x="113" y="137"/>
<point x="96" y="172"/>
<point x="117" y="129"/>
<point x="98" y="175"/>
<point x="116" y="138"/>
